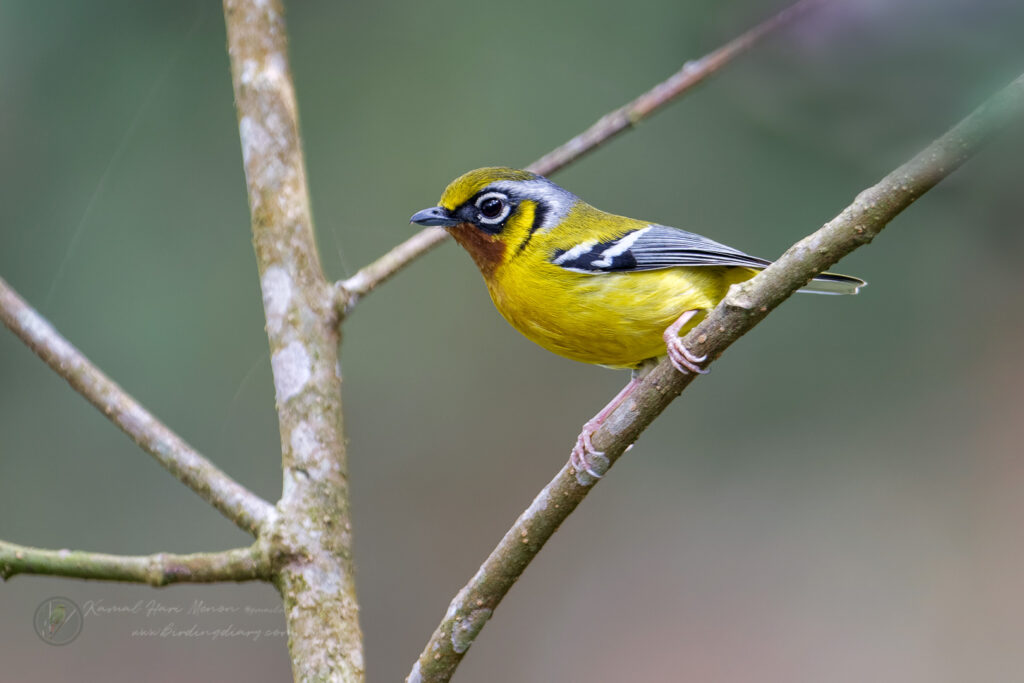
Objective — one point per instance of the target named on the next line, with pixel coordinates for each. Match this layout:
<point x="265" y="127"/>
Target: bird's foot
<point x="683" y="359"/>
<point x="586" y="459"/>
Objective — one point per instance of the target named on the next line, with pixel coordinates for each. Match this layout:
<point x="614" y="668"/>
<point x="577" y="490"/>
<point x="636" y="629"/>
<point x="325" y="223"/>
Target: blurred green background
<point x="838" y="501"/>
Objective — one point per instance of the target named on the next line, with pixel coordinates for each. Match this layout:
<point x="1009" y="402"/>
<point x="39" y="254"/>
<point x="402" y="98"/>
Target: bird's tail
<point x="833" y="283"/>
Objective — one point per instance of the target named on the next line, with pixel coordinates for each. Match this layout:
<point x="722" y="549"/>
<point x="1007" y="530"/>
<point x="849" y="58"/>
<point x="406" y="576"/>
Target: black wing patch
<point x="652" y="248"/>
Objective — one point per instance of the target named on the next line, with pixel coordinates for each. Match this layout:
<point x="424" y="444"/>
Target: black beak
<point x="435" y="215"/>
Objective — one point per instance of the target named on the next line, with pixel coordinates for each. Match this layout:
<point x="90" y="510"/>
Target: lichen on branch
<point x="312" y="530"/>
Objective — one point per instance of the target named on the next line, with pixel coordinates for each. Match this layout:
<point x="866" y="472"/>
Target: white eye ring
<point x="506" y="207"/>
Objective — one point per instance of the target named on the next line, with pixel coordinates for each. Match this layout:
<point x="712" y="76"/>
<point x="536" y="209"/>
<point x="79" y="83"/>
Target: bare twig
<point x="161" y="569"/>
<point x="691" y="74"/>
<point x="350" y="291"/>
<point x="744" y="306"/>
<point x="236" y="502"/>
<point x="313" y="531"/>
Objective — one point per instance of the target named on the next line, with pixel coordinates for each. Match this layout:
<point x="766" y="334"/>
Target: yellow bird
<point x="590" y="285"/>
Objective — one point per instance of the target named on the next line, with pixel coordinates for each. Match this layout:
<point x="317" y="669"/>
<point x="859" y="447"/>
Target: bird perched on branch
<point x="590" y="285"/>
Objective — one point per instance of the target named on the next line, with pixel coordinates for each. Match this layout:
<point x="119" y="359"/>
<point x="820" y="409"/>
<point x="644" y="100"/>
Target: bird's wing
<point x="651" y="248"/>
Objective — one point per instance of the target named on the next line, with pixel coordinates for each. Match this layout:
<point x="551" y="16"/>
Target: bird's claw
<point x="585" y="458"/>
<point x="682" y="358"/>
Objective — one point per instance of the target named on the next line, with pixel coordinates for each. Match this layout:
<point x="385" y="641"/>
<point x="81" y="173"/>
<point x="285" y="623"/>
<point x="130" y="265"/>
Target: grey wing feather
<point x="658" y="246"/>
<point x="663" y="247"/>
<point x="652" y="248"/>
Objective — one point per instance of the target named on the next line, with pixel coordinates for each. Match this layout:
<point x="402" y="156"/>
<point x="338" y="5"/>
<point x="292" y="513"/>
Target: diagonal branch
<point x="236" y="502"/>
<point x="745" y="306"/>
<point x="349" y="291"/>
<point x="692" y="74"/>
<point x="161" y="569"/>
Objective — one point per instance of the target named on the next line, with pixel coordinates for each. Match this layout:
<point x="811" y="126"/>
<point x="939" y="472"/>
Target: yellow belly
<point x="610" y="319"/>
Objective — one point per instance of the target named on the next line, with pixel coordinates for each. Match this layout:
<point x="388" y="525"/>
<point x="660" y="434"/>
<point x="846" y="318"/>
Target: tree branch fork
<point x="350" y="291"/>
<point x="300" y="306"/>
<point x="286" y="550"/>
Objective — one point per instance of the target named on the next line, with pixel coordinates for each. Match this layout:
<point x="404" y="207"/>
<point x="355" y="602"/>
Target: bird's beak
<point x="435" y="215"/>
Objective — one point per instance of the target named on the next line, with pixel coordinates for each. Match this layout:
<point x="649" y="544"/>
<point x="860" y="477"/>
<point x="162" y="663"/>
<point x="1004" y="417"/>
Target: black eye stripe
<point x="540" y="212"/>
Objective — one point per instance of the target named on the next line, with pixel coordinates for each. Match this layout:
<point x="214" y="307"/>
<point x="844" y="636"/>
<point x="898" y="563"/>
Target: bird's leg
<point x="584" y="453"/>
<point x="682" y="358"/>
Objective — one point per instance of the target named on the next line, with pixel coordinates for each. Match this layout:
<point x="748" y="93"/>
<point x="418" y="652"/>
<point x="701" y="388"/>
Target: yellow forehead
<point x="468" y="184"/>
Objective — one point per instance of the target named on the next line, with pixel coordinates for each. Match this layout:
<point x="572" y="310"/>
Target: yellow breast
<point x="610" y="319"/>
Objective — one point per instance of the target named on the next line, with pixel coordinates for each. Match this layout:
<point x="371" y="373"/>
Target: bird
<point x="589" y="285"/>
<point x="58" y="615"/>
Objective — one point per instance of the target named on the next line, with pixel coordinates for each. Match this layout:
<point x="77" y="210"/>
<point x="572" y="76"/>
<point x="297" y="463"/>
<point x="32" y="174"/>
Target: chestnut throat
<point x="487" y="250"/>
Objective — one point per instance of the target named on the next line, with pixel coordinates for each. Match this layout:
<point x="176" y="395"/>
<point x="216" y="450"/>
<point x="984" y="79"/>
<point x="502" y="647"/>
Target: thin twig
<point x="351" y="290"/>
<point x="236" y="502"/>
<point x="691" y="74"/>
<point x="744" y="306"/>
<point x="313" y="530"/>
<point x="161" y="569"/>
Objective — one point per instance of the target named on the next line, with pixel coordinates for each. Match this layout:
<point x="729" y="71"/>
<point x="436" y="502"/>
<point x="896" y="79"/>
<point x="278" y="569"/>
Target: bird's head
<point x="493" y="212"/>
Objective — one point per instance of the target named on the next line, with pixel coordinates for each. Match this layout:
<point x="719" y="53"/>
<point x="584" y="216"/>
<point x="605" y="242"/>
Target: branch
<point x="236" y="502"/>
<point x="744" y="306"/>
<point x="312" y="535"/>
<point x="348" y="292"/>
<point x="161" y="569"/>
<point x="690" y="75"/>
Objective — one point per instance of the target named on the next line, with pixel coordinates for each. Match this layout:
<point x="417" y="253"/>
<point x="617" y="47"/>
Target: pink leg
<point x="583" y="453"/>
<point x="682" y="358"/>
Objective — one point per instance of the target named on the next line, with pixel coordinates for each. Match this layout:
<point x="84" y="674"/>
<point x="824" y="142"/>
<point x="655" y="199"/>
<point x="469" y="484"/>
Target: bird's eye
<point x="491" y="208"/>
<point x="494" y="207"/>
